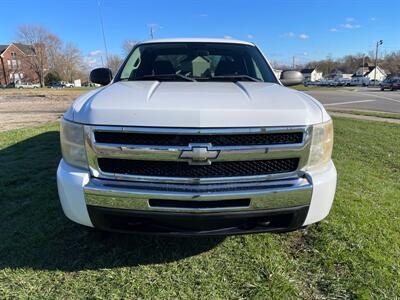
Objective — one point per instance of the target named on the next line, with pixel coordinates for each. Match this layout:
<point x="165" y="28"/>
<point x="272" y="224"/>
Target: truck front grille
<point x="154" y="139"/>
<point x="183" y="169"/>
<point x="171" y="155"/>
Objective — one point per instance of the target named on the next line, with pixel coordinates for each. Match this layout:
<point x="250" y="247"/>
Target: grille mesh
<point x="184" y="139"/>
<point x="183" y="169"/>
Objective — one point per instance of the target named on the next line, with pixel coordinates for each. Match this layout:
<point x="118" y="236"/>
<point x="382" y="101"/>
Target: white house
<point x="311" y="74"/>
<point x="369" y="72"/>
<point x="336" y="74"/>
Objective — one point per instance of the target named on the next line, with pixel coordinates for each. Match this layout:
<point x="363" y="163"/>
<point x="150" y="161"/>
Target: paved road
<point x="361" y="98"/>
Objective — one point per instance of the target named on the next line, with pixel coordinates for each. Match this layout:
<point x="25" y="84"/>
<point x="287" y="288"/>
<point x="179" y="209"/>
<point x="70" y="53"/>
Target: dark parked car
<point x="8" y="86"/>
<point x="55" y="85"/>
<point x="390" y="84"/>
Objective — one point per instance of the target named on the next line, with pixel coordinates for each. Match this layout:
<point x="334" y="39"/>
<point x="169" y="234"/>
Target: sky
<point x="305" y="29"/>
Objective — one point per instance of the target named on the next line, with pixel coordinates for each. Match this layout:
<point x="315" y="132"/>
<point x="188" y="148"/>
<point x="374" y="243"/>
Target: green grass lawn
<point x="379" y="114"/>
<point x="353" y="254"/>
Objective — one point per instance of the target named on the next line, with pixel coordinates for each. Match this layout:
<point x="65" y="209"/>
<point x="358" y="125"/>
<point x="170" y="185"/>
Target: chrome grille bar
<point x="97" y="150"/>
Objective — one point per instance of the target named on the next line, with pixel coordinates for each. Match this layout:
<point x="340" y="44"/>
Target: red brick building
<point x="15" y="64"/>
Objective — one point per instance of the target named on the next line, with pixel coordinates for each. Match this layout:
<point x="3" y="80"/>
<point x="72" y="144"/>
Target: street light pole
<point x="378" y="43"/>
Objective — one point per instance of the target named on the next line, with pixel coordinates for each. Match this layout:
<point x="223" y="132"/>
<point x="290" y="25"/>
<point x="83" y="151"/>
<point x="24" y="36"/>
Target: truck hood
<point x="196" y="105"/>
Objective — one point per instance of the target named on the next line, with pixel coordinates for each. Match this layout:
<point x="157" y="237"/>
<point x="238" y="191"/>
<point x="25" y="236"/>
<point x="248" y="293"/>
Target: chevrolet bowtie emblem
<point x="199" y="155"/>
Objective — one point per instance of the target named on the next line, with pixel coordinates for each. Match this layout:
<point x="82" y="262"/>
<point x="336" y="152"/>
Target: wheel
<point x="392" y="88"/>
<point x="382" y="89"/>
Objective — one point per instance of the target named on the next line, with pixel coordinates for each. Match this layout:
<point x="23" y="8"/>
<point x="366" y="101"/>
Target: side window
<point x="132" y="64"/>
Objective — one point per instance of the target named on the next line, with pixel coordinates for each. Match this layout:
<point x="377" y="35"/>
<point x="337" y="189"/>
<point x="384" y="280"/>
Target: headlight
<point x="321" y="144"/>
<point x="72" y="144"/>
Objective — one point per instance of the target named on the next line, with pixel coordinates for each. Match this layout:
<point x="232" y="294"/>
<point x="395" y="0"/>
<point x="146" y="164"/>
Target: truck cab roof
<point x="197" y="40"/>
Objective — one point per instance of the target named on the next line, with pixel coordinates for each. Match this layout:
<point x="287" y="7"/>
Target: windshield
<point x="196" y="62"/>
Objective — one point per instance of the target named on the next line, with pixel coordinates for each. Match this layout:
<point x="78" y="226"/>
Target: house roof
<point x="27" y="49"/>
<point x="2" y="48"/>
<point x="370" y="69"/>
<point x="306" y="71"/>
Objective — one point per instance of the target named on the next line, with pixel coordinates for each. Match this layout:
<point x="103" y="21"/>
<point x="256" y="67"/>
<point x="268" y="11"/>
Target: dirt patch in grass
<point x="19" y="109"/>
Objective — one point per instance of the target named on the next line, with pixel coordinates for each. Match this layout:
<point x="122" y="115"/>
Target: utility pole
<point x="378" y="43"/>
<point x="102" y="31"/>
<point x="363" y="65"/>
<point x="152" y="29"/>
<point x="293" y="62"/>
<point x="151" y="32"/>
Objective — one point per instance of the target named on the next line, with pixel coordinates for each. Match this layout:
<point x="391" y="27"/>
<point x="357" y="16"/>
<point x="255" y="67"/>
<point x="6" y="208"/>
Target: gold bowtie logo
<point x="199" y="155"/>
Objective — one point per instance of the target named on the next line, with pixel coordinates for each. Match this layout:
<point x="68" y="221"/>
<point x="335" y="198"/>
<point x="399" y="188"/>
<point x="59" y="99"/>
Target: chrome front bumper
<point x="272" y="194"/>
<point x="124" y="200"/>
<point x="305" y="200"/>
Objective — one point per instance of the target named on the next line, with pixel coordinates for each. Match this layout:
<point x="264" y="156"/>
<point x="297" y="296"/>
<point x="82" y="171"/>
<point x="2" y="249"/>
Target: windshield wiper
<point x="236" y="78"/>
<point x="165" y="77"/>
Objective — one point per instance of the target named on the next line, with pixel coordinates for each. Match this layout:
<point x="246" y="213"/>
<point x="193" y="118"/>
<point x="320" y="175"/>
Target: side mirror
<point x="289" y="78"/>
<point x="101" y="76"/>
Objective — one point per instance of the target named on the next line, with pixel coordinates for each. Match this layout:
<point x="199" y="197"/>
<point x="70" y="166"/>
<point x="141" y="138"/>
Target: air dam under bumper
<point x="280" y="205"/>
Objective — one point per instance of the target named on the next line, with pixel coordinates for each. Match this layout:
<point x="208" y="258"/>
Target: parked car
<point x="317" y="82"/>
<point x="390" y="84"/>
<point x="10" y="85"/>
<point x="67" y="84"/>
<point x="360" y="81"/>
<point x="374" y="82"/>
<point x="171" y="146"/>
<point x="55" y="85"/>
<point x="334" y="83"/>
<point x="309" y="83"/>
<point x="27" y="85"/>
<point x="343" y="82"/>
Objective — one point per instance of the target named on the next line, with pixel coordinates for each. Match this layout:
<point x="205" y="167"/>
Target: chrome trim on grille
<point x="263" y="195"/>
<point x="226" y="153"/>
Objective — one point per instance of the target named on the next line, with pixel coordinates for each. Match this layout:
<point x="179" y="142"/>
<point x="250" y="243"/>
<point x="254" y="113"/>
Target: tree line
<point x="348" y="64"/>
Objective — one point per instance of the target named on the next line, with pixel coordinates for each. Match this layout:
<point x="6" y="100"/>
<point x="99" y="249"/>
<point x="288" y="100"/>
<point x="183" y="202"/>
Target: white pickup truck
<point x="196" y="137"/>
<point x="27" y="85"/>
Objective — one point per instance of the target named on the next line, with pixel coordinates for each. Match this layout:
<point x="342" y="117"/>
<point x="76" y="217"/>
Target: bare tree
<point x="114" y="62"/>
<point x="70" y="62"/>
<point x="53" y="50"/>
<point x="127" y="46"/>
<point x="391" y="63"/>
<point x="40" y="41"/>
